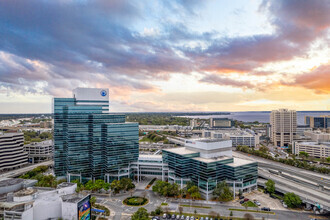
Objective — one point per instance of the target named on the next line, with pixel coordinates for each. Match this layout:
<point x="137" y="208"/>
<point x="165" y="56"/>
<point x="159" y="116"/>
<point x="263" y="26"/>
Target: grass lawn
<point x="247" y="210"/>
<point x="195" y="206"/>
<point x="249" y="204"/>
<point x="135" y="200"/>
<point x="164" y="203"/>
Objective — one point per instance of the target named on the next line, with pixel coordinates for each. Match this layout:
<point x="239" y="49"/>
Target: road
<point x="20" y="171"/>
<point x="120" y="211"/>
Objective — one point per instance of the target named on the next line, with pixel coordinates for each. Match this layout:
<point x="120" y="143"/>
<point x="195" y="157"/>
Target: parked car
<point x="284" y="205"/>
<point x="202" y="218"/>
<point x="156" y="218"/>
<point x="164" y="216"/>
<point x="272" y="196"/>
<point x="182" y="217"/>
<point x="241" y="197"/>
<point x="206" y="218"/>
<point x="265" y="209"/>
<point x="257" y="203"/>
<point x="192" y="218"/>
<point x="241" y="202"/>
<point x="173" y="216"/>
<point x="178" y="217"/>
<point x="246" y="199"/>
<point x="188" y="218"/>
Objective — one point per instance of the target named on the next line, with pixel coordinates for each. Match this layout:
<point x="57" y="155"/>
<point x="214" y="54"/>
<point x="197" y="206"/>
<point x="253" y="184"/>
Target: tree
<point x="303" y="154"/>
<point x="223" y="192"/>
<point x="140" y="214"/>
<point x="292" y="200"/>
<point x="180" y="210"/>
<point x="93" y="200"/>
<point x="263" y="149"/>
<point x="328" y="159"/>
<point x="115" y="186"/>
<point x="194" y="192"/>
<point x="231" y="213"/>
<point x="270" y="186"/>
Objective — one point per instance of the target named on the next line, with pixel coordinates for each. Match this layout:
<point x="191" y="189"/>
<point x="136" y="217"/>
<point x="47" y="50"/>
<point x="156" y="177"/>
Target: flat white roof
<point x="146" y="156"/>
<point x="239" y="162"/>
<point x="180" y="150"/>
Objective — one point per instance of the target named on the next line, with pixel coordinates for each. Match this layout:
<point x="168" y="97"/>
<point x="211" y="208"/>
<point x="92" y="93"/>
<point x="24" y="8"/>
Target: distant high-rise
<point x="221" y="123"/>
<point x="322" y="121"/>
<point x="283" y="126"/>
<point x="88" y="141"/>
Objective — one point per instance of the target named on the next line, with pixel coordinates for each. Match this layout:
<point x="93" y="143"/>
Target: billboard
<point x="84" y="208"/>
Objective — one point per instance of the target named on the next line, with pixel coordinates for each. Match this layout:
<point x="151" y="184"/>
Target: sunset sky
<point x="183" y="55"/>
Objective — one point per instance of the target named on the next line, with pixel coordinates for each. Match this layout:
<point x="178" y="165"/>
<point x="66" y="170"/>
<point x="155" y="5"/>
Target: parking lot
<point x="264" y="199"/>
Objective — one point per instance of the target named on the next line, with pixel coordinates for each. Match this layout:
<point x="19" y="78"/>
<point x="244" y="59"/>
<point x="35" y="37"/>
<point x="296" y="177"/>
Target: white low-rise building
<point x="314" y="149"/>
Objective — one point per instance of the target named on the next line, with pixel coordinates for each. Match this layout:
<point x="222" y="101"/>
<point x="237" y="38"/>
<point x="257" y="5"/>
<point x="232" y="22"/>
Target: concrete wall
<point x="69" y="211"/>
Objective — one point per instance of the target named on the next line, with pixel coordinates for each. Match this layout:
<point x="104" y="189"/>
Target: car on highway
<point x="265" y="209"/>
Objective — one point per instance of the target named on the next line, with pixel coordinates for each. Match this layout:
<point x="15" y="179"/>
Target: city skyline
<point x="166" y="56"/>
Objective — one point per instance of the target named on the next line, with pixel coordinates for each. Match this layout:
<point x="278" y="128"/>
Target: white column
<point x="207" y="191"/>
<point x="181" y="184"/>
<point x="234" y="189"/>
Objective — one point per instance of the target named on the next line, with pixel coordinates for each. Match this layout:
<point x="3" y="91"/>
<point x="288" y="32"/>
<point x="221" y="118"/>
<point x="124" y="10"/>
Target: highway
<point x="311" y="187"/>
<point x="18" y="172"/>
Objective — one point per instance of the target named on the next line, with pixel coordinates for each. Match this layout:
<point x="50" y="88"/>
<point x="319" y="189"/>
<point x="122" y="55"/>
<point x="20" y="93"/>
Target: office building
<point x="39" y="151"/>
<point x="90" y="143"/>
<point x="321" y="122"/>
<point x="221" y="123"/>
<point x="283" y="126"/>
<point x="206" y="165"/>
<point x="314" y="149"/>
<point x="302" y="128"/>
<point x="205" y="162"/>
<point x="12" y="153"/>
<point x="237" y="136"/>
<point x="317" y="136"/>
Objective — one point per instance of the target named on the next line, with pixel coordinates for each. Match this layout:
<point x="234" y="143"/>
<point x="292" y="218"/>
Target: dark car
<point x="241" y="202"/>
<point x="246" y="199"/>
<point x="241" y="197"/>
<point x="168" y="216"/>
<point x="265" y="209"/>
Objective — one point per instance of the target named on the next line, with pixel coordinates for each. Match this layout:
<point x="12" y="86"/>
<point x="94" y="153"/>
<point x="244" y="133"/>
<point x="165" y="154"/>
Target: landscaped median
<point x="248" y="210"/>
<point x="135" y="201"/>
<point x="210" y="216"/>
<point x="196" y="206"/>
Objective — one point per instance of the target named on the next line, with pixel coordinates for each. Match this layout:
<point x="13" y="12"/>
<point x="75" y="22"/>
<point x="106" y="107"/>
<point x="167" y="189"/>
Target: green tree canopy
<point x="223" y="192"/>
<point x="140" y="214"/>
<point x="270" y="186"/>
<point x="303" y="154"/>
<point x="292" y="200"/>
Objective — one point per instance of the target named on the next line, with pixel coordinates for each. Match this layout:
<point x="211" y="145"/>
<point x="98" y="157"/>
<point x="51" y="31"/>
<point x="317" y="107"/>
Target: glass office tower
<point x="87" y="137"/>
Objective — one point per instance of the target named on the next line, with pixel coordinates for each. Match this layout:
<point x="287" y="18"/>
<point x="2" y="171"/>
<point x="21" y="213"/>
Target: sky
<point x="178" y="55"/>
